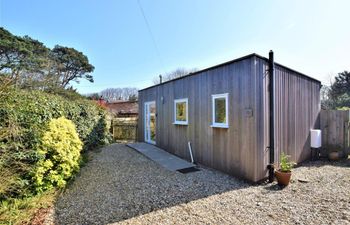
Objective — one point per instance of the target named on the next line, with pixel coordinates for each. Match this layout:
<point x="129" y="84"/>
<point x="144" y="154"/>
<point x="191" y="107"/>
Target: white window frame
<point x="219" y="125"/>
<point x="181" y="100"/>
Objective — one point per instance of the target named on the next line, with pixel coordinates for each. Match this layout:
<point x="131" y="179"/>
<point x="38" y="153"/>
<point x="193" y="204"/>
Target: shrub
<point x="30" y="110"/>
<point x="286" y="165"/>
<point x="59" y="154"/>
<point x="24" y="116"/>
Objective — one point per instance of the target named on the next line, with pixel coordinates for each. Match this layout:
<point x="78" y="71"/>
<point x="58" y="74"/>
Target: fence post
<point x="335" y="131"/>
<point x="347" y="134"/>
<point x="324" y="118"/>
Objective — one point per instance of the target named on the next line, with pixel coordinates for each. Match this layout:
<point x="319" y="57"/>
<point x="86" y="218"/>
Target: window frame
<point x="213" y="98"/>
<point x="181" y="100"/>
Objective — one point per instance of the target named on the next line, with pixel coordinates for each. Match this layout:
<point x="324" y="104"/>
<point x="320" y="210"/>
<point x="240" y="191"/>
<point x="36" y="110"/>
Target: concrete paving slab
<point x="162" y="157"/>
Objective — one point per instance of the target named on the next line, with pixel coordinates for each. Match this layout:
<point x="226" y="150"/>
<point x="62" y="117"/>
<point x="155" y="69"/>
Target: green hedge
<point x="24" y="117"/>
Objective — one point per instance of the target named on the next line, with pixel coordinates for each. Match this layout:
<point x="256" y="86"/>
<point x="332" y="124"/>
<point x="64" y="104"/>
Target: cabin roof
<point x="229" y="62"/>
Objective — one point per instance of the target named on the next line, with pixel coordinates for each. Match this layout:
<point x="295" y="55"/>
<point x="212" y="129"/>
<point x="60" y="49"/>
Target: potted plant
<point x="284" y="173"/>
<point x="335" y="153"/>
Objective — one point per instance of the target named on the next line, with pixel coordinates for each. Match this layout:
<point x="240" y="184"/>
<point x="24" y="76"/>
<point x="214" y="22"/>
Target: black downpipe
<point x="271" y="166"/>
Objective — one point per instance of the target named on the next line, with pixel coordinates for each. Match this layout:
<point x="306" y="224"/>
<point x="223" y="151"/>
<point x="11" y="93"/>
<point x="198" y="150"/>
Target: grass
<point x="21" y="211"/>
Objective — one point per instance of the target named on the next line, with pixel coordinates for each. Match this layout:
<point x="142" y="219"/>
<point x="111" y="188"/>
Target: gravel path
<point x="121" y="186"/>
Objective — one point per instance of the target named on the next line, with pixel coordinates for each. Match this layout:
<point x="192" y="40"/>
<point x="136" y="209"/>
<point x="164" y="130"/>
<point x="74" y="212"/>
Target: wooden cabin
<point x="224" y="111"/>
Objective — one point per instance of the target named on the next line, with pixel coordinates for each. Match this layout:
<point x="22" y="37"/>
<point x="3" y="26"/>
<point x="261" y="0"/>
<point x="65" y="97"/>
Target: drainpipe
<point x="271" y="166"/>
<point x="190" y="150"/>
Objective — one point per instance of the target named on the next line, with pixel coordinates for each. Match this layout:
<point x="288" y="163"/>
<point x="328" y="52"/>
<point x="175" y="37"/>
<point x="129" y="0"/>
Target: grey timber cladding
<point x="240" y="150"/>
<point x="297" y="110"/>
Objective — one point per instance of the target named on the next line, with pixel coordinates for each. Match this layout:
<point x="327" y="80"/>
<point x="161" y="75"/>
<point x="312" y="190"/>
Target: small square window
<point x="181" y="111"/>
<point x="220" y="110"/>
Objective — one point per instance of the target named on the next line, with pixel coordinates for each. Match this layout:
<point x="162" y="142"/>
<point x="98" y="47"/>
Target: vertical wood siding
<point x="297" y="110"/>
<point x="232" y="150"/>
<point x="241" y="150"/>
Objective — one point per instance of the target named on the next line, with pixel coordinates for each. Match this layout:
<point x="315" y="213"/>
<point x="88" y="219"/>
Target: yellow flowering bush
<point x="24" y="116"/>
<point x="59" y="155"/>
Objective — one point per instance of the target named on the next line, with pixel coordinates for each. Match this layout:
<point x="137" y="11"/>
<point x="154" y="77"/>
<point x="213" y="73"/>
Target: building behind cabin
<point x="123" y="108"/>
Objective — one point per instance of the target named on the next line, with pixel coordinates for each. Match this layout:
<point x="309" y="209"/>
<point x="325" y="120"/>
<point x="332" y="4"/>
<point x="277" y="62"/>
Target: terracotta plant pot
<point x="283" y="178"/>
<point x="334" y="156"/>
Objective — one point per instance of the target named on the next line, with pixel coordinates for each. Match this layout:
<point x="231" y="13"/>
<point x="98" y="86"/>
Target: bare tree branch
<point x="179" y="72"/>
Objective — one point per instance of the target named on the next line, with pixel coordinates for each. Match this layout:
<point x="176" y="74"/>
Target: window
<point x="181" y="111"/>
<point x="220" y="110"/>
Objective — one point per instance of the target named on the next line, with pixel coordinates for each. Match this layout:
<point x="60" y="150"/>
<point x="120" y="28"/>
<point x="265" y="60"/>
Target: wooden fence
<point x="124" y="129"/>
<point x="335" y="131"/>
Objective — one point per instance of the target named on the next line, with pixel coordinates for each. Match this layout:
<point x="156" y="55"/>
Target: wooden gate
<point x="125" y="129"/>
<point x="335" y="131"/>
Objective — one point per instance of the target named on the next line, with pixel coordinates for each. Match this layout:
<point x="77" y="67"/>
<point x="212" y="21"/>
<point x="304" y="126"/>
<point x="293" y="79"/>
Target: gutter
<point x="271" y="166"/>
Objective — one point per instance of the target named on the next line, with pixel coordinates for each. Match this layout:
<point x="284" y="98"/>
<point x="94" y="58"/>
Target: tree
<point x="93" y="96"/>
<point x="326" y="101"/>
<point x="341" y="85"/>
<point x="13" y="52"/>
<point x="70" y="65"/>
<point x="133" y="97"/>
<point x="28" y="63"/>
<point x="179" y="72"/>
<point x="114" y="94"/>
<point x="22" y="59"/>
<point x="338" y="94"/>
<point x="111" y="94"/>
<point x="129" y="92"/>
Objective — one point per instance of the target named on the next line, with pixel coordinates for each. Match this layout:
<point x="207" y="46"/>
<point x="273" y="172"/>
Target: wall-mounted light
<point x="162" y="99"/>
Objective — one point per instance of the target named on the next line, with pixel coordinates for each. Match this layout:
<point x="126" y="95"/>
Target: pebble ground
<point x="120" y="185"/>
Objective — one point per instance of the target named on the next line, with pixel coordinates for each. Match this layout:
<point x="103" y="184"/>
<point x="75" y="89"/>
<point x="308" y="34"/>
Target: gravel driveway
<point x="121" y="186"/>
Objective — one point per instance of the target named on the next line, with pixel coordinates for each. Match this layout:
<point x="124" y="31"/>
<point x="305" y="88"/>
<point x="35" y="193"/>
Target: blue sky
<point x="312" y="37"/>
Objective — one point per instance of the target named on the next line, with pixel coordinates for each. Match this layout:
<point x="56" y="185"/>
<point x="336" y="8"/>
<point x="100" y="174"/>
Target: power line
<point x="116" y="84"/>
<point x="151" y="34"/>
